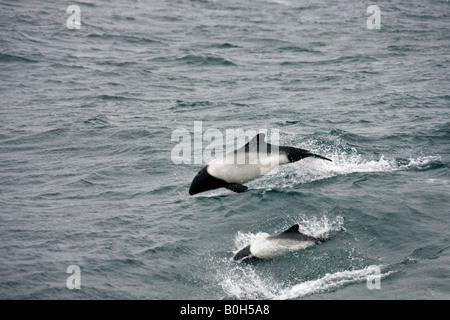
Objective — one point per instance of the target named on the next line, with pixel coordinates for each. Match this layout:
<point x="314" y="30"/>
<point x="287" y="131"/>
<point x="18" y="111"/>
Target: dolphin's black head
<point x="244" y="254"/>
<point x="203" y="181"/>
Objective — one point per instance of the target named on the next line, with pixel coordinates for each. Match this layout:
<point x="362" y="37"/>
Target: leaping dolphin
<point x="245" y="164"/>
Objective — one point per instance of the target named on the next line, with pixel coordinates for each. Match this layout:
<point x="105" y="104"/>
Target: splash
<point x="342" y="164"/>
<point x="247" y="281"/>
<point x="329" y="282"/>
<point x="319" y="227"/>
<point x="422" y="163"/>
<point x="244" y="282"/>
<point x="344" y="161"/>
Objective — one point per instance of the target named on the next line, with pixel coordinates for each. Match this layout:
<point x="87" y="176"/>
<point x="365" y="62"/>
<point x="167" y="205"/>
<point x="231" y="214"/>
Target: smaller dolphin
<point x="272" y="246"/>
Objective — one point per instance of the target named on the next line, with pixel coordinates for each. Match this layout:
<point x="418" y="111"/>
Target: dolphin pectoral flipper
<point x="236" y="187"/>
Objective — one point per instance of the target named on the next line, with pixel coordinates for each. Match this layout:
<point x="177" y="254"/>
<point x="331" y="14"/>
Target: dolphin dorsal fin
<point x="257" y="140"/>
<point x="260" y="138"/>
<point x="255" y="143"/>
<point x="294" y="228"/>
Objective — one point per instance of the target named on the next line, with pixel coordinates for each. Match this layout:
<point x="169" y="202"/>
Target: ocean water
<point x="88" y="178"/>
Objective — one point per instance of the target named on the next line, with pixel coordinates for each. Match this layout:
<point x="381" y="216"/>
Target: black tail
<point x="327" y="238"/>
<point x="320" y="157"/>
<point x="296" y="154"/>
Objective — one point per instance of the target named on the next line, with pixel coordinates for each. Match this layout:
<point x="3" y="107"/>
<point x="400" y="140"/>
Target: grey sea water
<point x="87" y="176"/>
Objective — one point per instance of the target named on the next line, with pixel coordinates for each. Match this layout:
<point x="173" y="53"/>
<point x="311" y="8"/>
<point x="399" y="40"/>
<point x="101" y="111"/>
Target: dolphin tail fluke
<point x="327" y="238"/>
<point x="320" y="157"/>
<point x="296" y="154"/>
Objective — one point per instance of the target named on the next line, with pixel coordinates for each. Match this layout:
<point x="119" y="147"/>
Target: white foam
<point x="343" y="162"/>
<point x="312" y="169"/>
<point x="328" y="282"/>
<point x="420" y="162"/>
<point x="320" y="227"/>
<point x="245" y="283"/>
<point x="283" y="2"/>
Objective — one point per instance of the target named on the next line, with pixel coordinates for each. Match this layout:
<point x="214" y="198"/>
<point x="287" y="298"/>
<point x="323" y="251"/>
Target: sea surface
<point x="89" y="116"/>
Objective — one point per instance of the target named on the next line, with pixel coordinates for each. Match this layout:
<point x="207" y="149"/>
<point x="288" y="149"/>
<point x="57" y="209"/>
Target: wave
<point x="423" y="163"/>
<point x="283" y="2"/>
<point x="126" y="38"/>
<point x="344" y="162"/>
<point x="225" y="45"/>
<point x="331" y="61"/>
<point x="31" y="141"/>
<point x="4" y="57"/>
<point x="329" y="282"/>
<point x="206" y="60"/>
<point x="115" y="97"/>
<point x="246" y="283"/>
<point x="294" y="48"/>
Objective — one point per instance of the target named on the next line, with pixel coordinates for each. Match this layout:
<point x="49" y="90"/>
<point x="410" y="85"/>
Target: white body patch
<point x="244" y="167"/>
<point x="270" y="248"/>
